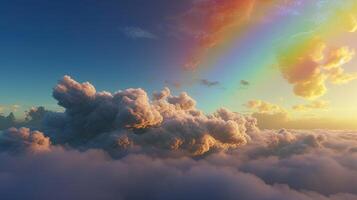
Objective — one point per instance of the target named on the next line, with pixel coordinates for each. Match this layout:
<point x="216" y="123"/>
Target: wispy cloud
<point x="138" y="33"/>
<point x="208" y="83"/>
<point x="318" y="104"/>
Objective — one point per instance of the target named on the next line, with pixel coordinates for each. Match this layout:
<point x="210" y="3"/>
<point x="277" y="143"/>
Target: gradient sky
<point x="243" y="55"/>
<point x="44" y="40"/>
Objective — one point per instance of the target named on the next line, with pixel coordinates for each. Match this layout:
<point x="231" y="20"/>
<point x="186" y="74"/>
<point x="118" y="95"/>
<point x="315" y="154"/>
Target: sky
<point x="178" y="99"/>
<point x="293" y="60"/>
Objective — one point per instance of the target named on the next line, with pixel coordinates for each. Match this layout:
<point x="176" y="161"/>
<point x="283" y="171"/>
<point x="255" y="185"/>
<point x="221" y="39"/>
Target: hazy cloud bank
<point x="129" y="146"/>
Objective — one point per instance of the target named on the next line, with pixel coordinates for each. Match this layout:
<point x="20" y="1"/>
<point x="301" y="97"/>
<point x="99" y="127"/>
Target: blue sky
<point x="119" y="44"/>
<point x="44" y="40"/>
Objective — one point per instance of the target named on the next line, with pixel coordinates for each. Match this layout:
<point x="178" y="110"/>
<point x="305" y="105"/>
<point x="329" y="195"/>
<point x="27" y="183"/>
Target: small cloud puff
<point x="244" y="83"/>
<point x="138" y="33"/>
<point x="208" y="83"/>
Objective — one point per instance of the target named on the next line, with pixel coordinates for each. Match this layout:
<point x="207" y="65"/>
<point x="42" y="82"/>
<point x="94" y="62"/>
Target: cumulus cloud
<point x="302" y="70"/>
<point x="309" y="62"/>
<point x="35" y="115"/>
<point x="138" y="33"/>
<point x="23" y="140"/>
<point x="129" y="121"/>
<point x="308" y="65"/>
<point x="8" y="120"/>
<point x="115" y="146"/>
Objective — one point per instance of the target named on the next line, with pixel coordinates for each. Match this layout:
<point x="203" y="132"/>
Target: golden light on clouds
<point x="311" y="63"/>
<point x="318" y="104"/>
<point x="263" y="106"/>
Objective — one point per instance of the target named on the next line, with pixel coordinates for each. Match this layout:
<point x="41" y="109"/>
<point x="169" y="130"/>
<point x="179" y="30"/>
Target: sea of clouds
<point x="128" y="145"/>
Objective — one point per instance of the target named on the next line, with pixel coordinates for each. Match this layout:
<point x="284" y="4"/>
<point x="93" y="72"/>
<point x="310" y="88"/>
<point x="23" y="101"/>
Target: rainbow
<point x="247" y="48"/>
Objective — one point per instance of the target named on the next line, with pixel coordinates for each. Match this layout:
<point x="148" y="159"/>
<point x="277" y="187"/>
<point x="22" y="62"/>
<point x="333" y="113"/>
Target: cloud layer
<point x="277" y="165"/>
<point x="129" y="146"/>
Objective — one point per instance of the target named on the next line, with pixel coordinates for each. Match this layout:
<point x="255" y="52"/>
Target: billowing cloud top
<point x="129" y="119"/>
<point x="115" y="146"/>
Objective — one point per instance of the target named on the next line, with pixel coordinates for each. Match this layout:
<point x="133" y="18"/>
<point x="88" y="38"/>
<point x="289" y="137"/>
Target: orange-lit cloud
<point x="276" y="121"/>
<point x="334" y="62"/>
<point x="338" y="57"/>
<point x="129" y="118"/>
<point x="311" y="88"/>
<point x="192" y="150"/>
<point x="319" y="104"/>
<point x="300" y="67"/>
<point x="263" y="107"/>
<point x="310" y="63"/>
<point x="268" y="115"/>
<point x="272" y="120"/>
<point x="273" y="116"/>
<point x="338" y="76"/>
